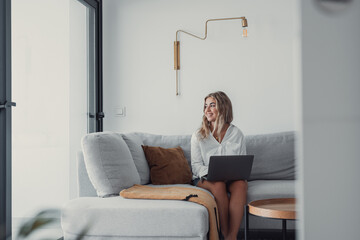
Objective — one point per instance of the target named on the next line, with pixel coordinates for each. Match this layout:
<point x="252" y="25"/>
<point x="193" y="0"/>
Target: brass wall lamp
<point x="177" y="43"/>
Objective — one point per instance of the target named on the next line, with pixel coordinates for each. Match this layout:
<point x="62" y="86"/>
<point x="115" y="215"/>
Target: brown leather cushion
<point x="167" y="165"/>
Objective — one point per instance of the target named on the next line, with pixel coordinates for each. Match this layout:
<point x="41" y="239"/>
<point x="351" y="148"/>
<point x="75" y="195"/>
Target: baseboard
<point x="268" y="234"/>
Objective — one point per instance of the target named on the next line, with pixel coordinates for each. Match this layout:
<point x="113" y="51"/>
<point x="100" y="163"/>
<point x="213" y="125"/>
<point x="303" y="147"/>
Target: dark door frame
<point x="99" y="63"/>
<point x="97" y="5"/>
<point x="5" y="119"/>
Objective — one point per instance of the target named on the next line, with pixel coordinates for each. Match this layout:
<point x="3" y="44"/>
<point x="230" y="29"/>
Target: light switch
<point x="120" y="112"/>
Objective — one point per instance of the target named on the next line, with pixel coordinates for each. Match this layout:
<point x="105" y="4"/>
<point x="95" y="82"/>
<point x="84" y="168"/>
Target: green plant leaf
<point x="41" y="219"/>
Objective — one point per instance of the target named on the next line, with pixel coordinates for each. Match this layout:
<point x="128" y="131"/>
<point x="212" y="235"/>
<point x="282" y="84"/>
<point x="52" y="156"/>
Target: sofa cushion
<point x="167" y="165"/>
<point x="274" y="155"/>
<point x="109" y="163"/>
<point x="263" y="189"/>
<point x="168" y="141"/>
<point x="130" y="218"/>
<point x="134" y="143"/>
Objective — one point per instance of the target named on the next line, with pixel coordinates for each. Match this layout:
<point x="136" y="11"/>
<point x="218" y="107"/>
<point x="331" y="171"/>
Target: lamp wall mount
<point x="177" y="43"/>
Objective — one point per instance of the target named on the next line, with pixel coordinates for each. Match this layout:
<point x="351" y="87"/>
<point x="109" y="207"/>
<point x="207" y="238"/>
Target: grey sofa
<point x="113" y="217"/>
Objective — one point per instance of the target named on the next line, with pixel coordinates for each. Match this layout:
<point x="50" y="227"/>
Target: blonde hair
<point x="225" y="116"/>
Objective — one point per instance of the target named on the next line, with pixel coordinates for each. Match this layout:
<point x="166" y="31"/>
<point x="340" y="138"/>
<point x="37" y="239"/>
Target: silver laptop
<point x="229" y="168"/>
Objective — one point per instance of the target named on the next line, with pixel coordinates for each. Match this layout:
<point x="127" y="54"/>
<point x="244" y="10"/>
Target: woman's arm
<point x="197" y="163"/>
<point x="242" y="145"/>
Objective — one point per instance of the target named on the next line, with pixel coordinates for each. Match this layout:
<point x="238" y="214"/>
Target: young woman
<point x="217" y="136"/>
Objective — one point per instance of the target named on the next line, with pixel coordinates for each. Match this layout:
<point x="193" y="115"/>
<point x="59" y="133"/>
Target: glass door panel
<point x="55" y="82"/>
<point x="82" y="56"/>
<point x="41" y="124"/>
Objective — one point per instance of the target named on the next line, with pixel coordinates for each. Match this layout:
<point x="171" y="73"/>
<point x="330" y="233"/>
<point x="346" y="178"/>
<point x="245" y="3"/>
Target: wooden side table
<point x="276" y="208"/>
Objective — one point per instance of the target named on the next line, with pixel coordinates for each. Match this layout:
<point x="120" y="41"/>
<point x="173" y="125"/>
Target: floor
<point x="268" y="235"/>
<point x="56" y="234"/>
<point x="53" y="231"/>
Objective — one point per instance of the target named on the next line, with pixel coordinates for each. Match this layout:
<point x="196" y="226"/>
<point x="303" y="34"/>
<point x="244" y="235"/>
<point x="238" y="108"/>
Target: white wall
<point x="329" y="169"/>
<point x="256" y="73"/>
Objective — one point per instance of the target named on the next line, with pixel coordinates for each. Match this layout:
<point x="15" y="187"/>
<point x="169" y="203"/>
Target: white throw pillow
<point x="109" y="163"/>
<point x="134" y="143"/>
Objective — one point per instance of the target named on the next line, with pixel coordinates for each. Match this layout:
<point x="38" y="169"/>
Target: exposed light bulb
<point x="245" y="32"/>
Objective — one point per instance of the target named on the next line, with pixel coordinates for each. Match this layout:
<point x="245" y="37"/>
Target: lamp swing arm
<point x="177" y="44"/>
<point x="244" y="24"/>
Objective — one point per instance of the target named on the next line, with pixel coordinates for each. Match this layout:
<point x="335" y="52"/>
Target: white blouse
<point x="201" y="149"/>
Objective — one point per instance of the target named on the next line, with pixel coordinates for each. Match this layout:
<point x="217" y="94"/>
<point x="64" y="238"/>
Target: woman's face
<point x="210" y="110"/>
